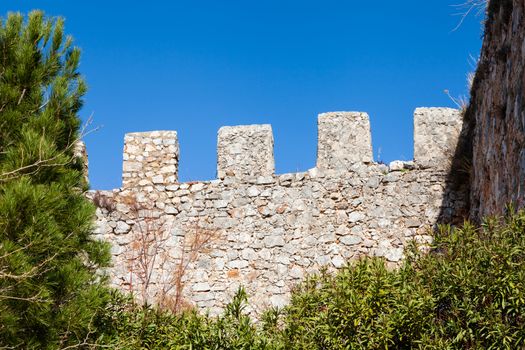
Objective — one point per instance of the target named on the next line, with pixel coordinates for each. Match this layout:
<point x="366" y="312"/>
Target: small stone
<point x="412" y="223"/>
<point x="373" y="182"/>
<point x="264" y="211"/>
<point x="171" y="210"/>
<point x="253" y="191"/>
<point x="285" y="179"/>
<point x="383" y="168"/>
<point x="342" y="230"/>
<point x="357" y="202"/>
<point x="131" y="166"/>
<point x="368" y="243"/>
<point x="300" y="176"/>
<point x="238" y="264"/>
<point x="396" y="165"/>
<point x="220" y="204"/>
<point x="122" y="227"/>
<point x="315" y="172"/>
<point x="197" y="187"/>
<point x="282" y="259"/>
<point x="338" y="261"/>
<point x="383" y="223"/>
<point x="409" y="165"/>
<point x="281" y="209"/>
<point x="296" y="272"/>
<point x="249" y="254"/>
<point x="181" y="192"/>
<point x="329" y="237"/>
<point x="201" y="287"/>
<point x="350" y="240"/>
<point x="394" y="254"/>
<point x="265" y="180"/>
<point x="355" y="216"/>
<point x="322" y="260"/>
<point x="157" y="179"/>
<point x="273" y="241"/>
<point x="144" y="182"/>
<point x="391" y="177"/>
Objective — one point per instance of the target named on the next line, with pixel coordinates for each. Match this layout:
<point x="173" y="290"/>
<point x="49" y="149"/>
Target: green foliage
<point x="363" y="306"/>
<point x="49" y="292"/>
<point x="129" y="326"/>
<point x="467" y="293"/>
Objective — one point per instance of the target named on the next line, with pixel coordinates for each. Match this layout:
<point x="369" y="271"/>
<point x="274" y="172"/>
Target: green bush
<point x="467" y="293"/>
<point x="129" y="326"/>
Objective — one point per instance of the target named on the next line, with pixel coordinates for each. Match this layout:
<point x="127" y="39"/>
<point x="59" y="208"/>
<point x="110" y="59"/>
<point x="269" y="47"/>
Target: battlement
<point x="266" y="231"/>
<point x="344" y="139"/>
<point x="245" y="151"/>
<point x="150" y="158"/>
<point x="436" y="134"/>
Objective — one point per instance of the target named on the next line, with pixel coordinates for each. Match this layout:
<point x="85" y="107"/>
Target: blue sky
<point x="194" y="66"/>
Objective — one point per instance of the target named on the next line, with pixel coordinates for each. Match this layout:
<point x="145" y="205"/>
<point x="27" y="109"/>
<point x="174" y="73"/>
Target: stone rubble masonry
<point x="344" y="139"/>
<point x="150" y="158"/>
<point x="245" y="151"/>
<point x="436" y="133"/>
<point x="264" y="231"/>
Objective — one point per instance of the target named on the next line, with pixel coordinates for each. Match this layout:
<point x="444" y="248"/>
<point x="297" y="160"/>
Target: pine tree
<point x="50" y="290"/>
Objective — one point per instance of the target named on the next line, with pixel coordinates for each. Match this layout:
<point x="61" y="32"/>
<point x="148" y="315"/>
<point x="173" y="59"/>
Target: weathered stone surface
<point x="436" y="134"/>
<point x="350" y="240"/>
<point x="245" y="151"/>
<point x="496" y="116"/>
<point x="150" y="158"/>
<point x="266" y="231"/>
<point x="344" y="139"/>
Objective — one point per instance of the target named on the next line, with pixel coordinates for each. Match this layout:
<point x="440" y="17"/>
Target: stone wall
<point x="150" y="158"/>
<point x="496" y="113"/>
<point x="200" y="241"/>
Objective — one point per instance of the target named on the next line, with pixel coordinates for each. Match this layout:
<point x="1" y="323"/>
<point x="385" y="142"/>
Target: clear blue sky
<point x="193" y="66"/>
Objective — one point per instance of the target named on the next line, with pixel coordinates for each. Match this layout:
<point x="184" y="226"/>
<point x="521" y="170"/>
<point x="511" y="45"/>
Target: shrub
<point x="467" y="293"/>
<point x="131" y="326"/>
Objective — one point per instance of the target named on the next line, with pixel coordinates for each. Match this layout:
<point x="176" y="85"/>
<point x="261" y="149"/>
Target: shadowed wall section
<point x="496" y="115"/>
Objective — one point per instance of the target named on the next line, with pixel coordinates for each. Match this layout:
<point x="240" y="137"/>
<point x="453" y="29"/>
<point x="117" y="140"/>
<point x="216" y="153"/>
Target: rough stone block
<point x="150" y="158"/>
<point x="245" y="151"/>
<point x="436" y="134"/>
<point x="344" y="139"/>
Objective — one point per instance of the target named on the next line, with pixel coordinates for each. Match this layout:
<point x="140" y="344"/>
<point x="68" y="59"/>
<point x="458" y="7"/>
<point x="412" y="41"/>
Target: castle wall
<point x="264" y="231"/>
<point x="496" y="113"/>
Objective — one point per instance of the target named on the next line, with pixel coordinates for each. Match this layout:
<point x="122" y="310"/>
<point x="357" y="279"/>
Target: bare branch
<point x="468" y="7"/>
<point x="151" y="250"/>
<point x="461" y="102"/>
<point x="21" y="96"/>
